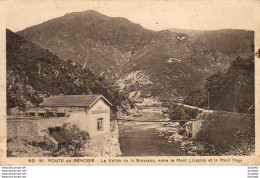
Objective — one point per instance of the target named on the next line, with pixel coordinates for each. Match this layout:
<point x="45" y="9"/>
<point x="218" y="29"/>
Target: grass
<point x="229" y="133"/>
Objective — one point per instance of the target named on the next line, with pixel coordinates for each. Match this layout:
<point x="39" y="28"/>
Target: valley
<point x="145" y="74"/>
<point x="146" y="138"/>
<point x="176" y="62"/>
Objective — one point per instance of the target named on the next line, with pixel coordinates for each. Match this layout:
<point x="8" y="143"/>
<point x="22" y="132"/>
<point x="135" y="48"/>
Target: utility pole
<point x="235" y="99"/>
<point x="208" y="101"/>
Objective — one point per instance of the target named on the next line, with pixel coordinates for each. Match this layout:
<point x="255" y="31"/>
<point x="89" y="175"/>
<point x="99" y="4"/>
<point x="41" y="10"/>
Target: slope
<point x="91" y="39"/>
<point x="175" y="62"/>
<point x="34" y="73"/>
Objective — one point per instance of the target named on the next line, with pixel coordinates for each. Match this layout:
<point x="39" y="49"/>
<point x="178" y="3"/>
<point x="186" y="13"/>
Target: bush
<point x="177" y="112"/>
<point x="230" y="133"/>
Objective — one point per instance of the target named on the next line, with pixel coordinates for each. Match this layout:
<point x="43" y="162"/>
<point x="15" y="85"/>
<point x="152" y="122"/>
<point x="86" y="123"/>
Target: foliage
<point x="34" y="73"/>
<point x="178" y="112"/>
<point x="228" y="133"/>
<point x="196" y="98"/>
<point x="232" y="90"/>
<point x="91" y="39"/>
<point x="117" y="47"/>
<point x="78" y="140"/>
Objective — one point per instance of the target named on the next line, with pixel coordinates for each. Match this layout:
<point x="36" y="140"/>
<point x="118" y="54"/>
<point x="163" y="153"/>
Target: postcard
<point x="130" y="83"/>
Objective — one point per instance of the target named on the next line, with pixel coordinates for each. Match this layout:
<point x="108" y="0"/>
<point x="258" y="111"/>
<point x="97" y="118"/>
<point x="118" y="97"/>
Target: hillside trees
<point x="232" y="90"/>
<point x="34" y="73"/>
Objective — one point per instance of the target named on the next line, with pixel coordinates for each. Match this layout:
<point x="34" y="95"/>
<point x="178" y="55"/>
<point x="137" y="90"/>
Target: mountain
<point x="233" y="90"/>
<point x="186" y="31"/>
<point x="180" y="64"/>
<point x="91" y="39"/>
<point x="34" y="73"/>
<point x="176" y="62"/>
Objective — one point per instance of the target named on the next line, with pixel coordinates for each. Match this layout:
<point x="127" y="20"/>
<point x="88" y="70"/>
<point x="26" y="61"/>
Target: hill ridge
<point x="34" y="73"/>
<point x="175" y="62"/>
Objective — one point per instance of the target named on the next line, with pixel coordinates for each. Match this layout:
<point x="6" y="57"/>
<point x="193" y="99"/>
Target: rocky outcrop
<point x="198" y="148"/>
<point x="106" y="146"/>
<point x="22" y="148"/>
<point x="133" y="84"/>
<point x="134" y="79"/>
<point x="221" y="133"/>
<point x="101" y="146"/>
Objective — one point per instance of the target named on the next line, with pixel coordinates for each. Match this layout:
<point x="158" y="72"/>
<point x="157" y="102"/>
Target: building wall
<point x="99" y="110"/>
<point x="29" y="128"/>
<point x="44" y="124"/>
<point x="79" y="118"/>
<point x="22" y="128"/>
<point x="63" y="108"/>
<point x="86" y="119"/>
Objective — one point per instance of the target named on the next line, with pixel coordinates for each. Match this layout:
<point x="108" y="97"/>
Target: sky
<point x="154" y="15"/>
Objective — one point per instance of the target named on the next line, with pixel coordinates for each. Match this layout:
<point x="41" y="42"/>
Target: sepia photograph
<point x="130" y="79"/>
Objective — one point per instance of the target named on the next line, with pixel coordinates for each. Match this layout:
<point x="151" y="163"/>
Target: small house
<point x="91" y="113"/>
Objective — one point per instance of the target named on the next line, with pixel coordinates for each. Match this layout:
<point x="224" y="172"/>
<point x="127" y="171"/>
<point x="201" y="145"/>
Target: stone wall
<point x="23" y="129"/>
<point x="105" y="145"/>
<point x="36" y="129"/>
<point x="44" y="124"/>
<point x="196" y="127"/>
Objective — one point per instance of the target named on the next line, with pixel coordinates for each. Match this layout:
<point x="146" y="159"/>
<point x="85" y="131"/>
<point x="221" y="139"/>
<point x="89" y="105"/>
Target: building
<point x="90" y="113"/>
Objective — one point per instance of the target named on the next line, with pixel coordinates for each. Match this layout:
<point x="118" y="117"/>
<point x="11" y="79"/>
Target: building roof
<point x="73" y="100"/>
<point x="63" y="136"/>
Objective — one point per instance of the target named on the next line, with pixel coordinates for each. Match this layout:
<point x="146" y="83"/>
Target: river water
<point x="145" y="138"/>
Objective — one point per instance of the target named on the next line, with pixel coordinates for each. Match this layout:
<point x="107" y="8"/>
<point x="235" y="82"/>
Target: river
<point x="145" y="138"/>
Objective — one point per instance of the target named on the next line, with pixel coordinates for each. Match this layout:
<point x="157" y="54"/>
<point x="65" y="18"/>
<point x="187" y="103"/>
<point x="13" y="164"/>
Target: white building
<point x="91" y="113"/>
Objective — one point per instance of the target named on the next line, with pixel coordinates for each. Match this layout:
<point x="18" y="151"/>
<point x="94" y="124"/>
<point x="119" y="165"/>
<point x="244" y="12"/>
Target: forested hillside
<point x="232" y="90"/>
<point x="91" y="39"/>
<point x="34" y="73"/>
<point x="177" y="62"/>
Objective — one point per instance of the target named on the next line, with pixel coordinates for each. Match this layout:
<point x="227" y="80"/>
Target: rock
<point x="15" y="154"/>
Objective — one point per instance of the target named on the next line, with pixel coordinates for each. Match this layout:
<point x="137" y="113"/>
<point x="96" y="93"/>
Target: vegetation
<point x="232" y="90"/>
<point x="34" y="73"/>
<point x="91" y="39"/>
<point x="197" y="98"/>
<point x="77" y="141"/>
<point x="229" y="133"/>
<point x="178" y="112"/>
<point x="177" y="62"/>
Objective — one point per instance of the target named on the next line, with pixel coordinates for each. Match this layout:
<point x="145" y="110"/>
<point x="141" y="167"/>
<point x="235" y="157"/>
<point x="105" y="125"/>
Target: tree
<point x="233" y="90"/>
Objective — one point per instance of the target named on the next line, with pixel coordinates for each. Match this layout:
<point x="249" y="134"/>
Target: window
<point x="50" y="114"/>
<point x="60" y="114"/>
<point x="100" y="124"/>
<point x="31" y="114"/>
<point x="57" y="129"/>
<point x="51" y="130"/>
<point x="41" y="114"/>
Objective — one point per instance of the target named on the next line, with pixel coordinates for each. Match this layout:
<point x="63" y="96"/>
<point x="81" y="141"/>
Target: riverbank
<point x="215" y="134"/>
<point x="141" y="138"/>
<point x="229" y="133"/>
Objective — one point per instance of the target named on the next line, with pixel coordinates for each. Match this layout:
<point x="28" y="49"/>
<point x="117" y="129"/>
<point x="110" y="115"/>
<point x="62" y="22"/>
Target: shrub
<point x="177" y="112"/>
<point x="230" y="133"/>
